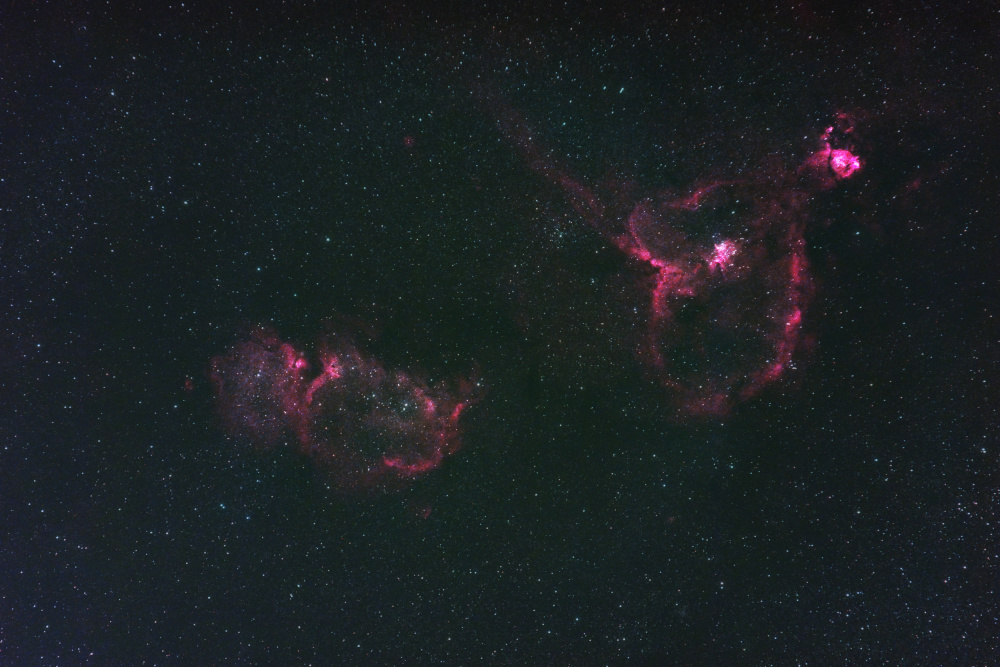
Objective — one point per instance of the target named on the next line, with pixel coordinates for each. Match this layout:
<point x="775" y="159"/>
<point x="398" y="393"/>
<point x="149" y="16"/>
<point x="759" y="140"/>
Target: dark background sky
<point x="171" y="176"/>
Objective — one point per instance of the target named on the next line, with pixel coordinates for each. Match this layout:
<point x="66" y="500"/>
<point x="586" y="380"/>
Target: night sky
<point x="349" y="334"/>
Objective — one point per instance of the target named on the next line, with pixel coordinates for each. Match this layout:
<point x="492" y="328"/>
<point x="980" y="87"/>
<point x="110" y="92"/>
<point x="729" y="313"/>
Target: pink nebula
<point x="364" y="425"/>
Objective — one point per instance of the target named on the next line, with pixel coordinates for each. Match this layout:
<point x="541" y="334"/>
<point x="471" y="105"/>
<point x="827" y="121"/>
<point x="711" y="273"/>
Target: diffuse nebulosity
<point x="364" y="425"/>
<point x="723" y="264"/>
<point x="727" y="282"/>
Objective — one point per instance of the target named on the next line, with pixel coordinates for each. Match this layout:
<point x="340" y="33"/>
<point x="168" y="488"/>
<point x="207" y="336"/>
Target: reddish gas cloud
<point x="723" y="264"/>
<point x="365" y="426"/>
<point x="729" y="285"/>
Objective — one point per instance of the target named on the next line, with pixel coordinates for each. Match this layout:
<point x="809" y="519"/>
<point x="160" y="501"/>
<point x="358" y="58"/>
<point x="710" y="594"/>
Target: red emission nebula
<point x="724" y="266"/>
<point x="727" y="284"/>
<point x="365" y="426"/>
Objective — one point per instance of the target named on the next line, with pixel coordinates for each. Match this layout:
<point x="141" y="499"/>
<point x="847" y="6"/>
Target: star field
<point x="436" y="335"/>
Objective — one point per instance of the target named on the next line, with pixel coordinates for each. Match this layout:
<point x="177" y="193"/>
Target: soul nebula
<point x="365" y="426"/>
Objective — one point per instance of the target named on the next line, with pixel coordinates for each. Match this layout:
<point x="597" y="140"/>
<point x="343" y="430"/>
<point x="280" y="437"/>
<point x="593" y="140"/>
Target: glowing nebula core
<point x="730" y="283"/>
<point x="363" y="425"/>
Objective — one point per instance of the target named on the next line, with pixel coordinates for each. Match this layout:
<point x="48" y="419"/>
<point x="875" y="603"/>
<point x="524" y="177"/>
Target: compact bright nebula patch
<point x="364" y="425"/>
